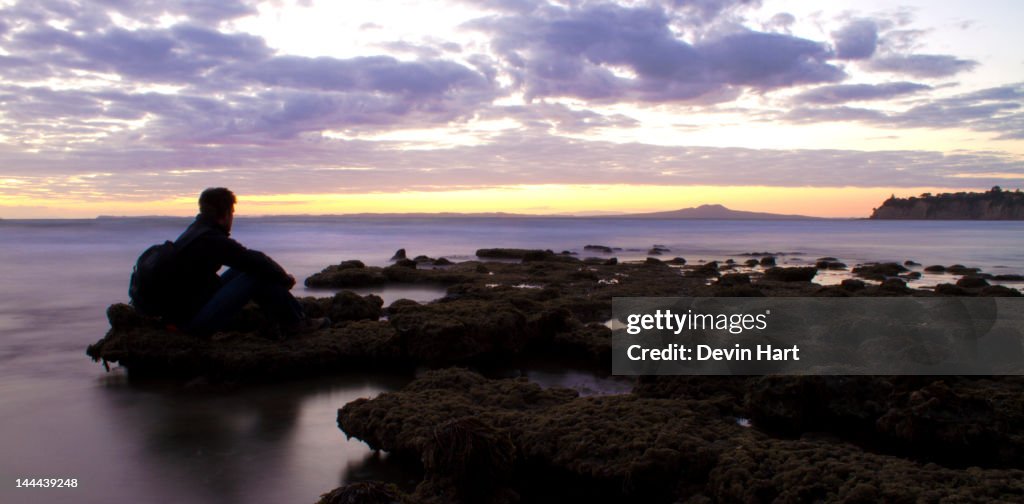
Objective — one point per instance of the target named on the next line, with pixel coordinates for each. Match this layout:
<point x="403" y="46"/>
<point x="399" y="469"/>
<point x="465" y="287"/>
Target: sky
<point x="115" y="107"/>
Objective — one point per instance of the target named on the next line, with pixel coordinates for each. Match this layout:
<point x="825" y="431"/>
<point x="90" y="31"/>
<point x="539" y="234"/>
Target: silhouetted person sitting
<point x="205" y="302"/>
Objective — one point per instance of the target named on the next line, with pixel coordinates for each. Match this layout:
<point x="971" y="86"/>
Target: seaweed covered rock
<point x="879" y="271"/>
<point x="146" y="348"/>
<point x="734" y="279"/>
<point x="365" y="492"/>
<point x="668" y="445"/>
<point x="346" y="275"/>
<point x="467" y="460"/>
<point x="972" y="282"/>
<point x="347" y="305"/>
<point x="960" y="420"/>
<point x="461" y="329"/>
<point x="804" y="274"/>
<point x="972" y="421"/>
<point x="775" y="470"/>
<point x="706" y="270"/>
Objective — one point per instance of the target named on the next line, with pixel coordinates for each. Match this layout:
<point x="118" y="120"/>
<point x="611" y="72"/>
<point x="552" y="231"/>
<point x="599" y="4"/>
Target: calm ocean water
<point x="62" y="416"/>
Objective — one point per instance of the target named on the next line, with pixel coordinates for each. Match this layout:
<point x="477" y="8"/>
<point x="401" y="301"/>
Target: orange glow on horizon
<point x="548" y="199"/>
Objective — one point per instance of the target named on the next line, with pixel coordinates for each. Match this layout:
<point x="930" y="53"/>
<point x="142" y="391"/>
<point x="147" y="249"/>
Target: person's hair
<point x="216" y="202"/>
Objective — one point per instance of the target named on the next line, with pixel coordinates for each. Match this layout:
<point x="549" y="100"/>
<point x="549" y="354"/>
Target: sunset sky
<point x="114" y="107"/>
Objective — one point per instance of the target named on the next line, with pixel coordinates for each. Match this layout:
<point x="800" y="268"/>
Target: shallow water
<point x="63" y="416"/>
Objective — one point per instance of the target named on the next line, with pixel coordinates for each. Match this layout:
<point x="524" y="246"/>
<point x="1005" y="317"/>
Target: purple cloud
<point x="575" y="52"/>
<point x="922" y="65"/>
<point x="856" y="40"/>
<point x="842" y="93"/>
<point x="996" y="110"/>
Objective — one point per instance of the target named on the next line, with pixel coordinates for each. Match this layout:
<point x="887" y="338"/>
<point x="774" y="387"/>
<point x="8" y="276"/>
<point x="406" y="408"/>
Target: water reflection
<point x="214" y="444"/>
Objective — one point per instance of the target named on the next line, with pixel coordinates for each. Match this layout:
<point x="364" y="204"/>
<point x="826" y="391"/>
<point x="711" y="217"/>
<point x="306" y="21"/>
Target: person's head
<point x="218" y="205"/>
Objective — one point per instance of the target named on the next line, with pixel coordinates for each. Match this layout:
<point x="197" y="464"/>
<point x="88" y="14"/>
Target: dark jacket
<point x="200" y="260"/>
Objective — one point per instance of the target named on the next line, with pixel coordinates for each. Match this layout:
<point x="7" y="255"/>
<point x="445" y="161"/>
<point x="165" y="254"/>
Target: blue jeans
<point x="237" y="288"/>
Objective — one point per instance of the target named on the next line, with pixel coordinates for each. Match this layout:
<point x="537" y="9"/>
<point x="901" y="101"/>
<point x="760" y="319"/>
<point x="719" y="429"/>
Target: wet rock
<point x="347" y="305"/>
<point x="365" y="492"/>
<point x="853" y="285"/>
<point x="592" y="341"/>
<point x="767" y="261"/>
<point x="738" y="291"/>
<point x="405" y="263"/>
<point x="469" y="458"/>
<point x="423" y="259"/>
<point x="999" y="291"/>
<point x="734" y="279"/>
<point x="511" y="253"/>
<point x="909" y="263"/>
<point x="399" y="255"/>
<point x="935" y="268"/>
<point x="913" y="275"/>
<point x="706" y="270"/>
<point x="346" y="275"/>
<point x="685" y="444"/>
<point x="878" y="271"/>
<point x="960" y="269"/>
<point x="832" y="265"/>
<point x="123" y="316"/>
<point x="826" y="259"/>
<point x="440" y="261"/>
<point x="792" y="405"/>
<point x="972" y="282"/>
<point x="948" y="289"/>
<point x="598" y="248"/>
<point x="461" y="330"/>
<point x="402" y="272"/>
<point x="656" y="250"/>
<point x="802" y="274"/>
<point x="1008" y="278"/>
<point x="894" y="285"/>
<point x="153" y="350"/>
<point x="678" y="261"/>
<point x="750" y="263"/>
<point x="959" y="421"/>
<point x="650" y="261"/>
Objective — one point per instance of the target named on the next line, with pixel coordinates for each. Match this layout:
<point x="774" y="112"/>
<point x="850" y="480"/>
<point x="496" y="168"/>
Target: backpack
<point x="154" y="274"/>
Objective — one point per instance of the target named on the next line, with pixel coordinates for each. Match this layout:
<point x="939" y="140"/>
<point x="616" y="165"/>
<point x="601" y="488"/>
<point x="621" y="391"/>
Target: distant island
<point x="712" y="212"/>
<point x="995" y="204"/>
<point x="708" y="212"/>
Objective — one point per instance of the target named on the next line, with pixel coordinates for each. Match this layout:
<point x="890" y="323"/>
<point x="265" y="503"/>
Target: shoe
<point x="307" y="325"/>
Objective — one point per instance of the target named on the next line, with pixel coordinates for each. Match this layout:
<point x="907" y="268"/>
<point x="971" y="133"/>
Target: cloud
<point x="93" y="103"/>
<point x="999" y="110"/>
<point x="707" y="10"/>
<point x="198" y="10"/>
<point x="231" y="87"/>
<point x="842" y="93"/>
<point x="523" y="157"/>
<point x="607" y="52"/>
<point x="856" y="40"/>
<point x="922" y="65"/>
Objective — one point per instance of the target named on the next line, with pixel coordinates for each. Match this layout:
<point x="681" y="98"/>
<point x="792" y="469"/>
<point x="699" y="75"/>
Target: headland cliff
<point x="995" y="204"/>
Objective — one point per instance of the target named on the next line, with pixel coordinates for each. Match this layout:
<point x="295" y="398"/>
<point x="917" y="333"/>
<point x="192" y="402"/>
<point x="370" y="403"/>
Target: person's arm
<point x="235" y="255"/>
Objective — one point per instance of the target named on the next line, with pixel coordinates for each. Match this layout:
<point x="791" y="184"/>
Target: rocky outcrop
<point x="253" y="350"/>
<point x="684" y="443"/>
<point x="992" y="205"/>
